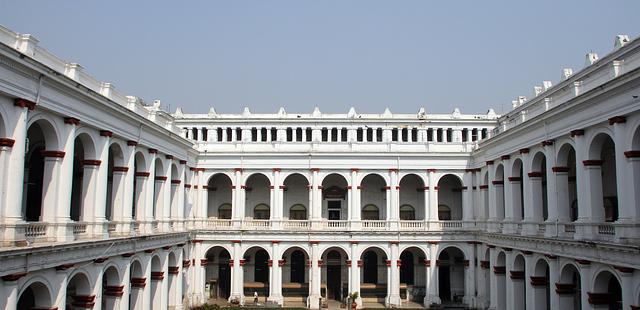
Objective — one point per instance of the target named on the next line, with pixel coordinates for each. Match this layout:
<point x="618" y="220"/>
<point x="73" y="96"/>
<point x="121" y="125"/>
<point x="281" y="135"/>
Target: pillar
<point x="467" y="197"/>
<point x="432" y="289"/>
<point x="354" y="271"/>
<point x="237" y="275"/>
<point x="313" y="301"/>
<point x="393" y="298"/>
<point x="433" y="196"/>
<point x="275" y="283"/>
<point x="470" y="277"/>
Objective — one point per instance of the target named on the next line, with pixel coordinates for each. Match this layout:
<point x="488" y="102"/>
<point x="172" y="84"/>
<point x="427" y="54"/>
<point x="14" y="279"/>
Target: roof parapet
<point x="26" y="44"/>
<point x="591" y="58"/>
<point x="620" y="41"/>
<point x="566" y="73"/>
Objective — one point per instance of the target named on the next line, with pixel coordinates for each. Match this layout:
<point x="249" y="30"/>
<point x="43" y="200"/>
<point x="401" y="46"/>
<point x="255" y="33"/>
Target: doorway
<point x="334" y="207"/>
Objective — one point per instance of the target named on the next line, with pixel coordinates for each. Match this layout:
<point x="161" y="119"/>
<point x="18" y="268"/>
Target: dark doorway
<point x="445" y="283"/>
<point x="370" y="260"/>
<point x="334" y="206"/>
<point x="334" y="273"/>
<point x="261" y="271"/>
<point x="27" y="299"/>
<point x="406" y="269"/>
<point x="224" y="275"/>
<point x="33" y="182"/>
<point x="297" y="267"/>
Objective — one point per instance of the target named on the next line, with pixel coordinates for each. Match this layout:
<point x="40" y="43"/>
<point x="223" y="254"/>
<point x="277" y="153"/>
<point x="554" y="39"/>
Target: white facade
<point x="110" y="203"/>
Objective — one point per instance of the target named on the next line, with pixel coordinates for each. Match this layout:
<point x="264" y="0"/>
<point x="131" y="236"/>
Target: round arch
<point x="36" y="293"/>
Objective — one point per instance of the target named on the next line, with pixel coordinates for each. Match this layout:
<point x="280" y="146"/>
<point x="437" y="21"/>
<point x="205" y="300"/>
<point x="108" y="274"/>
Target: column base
<point x="236" y="299"/>
<point x="470" y="301"/>
<point x="313" y="302"/>
<point x="275" y="300"/>
<point x="431" y="300"/>
<point x="393" y="301"/>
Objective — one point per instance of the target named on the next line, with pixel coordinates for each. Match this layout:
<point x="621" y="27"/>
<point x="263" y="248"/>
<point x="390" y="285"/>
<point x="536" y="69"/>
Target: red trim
<point x="617" y="120"/>
<point x="56" y="154"/>
<point x="386" y="187"/>
<point x="565" y="288"/>
<point x="583" y="261"/>
<point x="24" y="103"/>
<point x="204" y="262"/>
<point x="276" y="169"/>
<point x="348" y="263"/>
<point x="551" y="256"/>
<point x="627" y="154"/>
<point x="176" y="181"/>
<point x="360" y="263"/>
<point x="13" y="276"/>
<point x="186" y="263"/>
<point x="592" y="162"/>
<point x="524" y="151"/>
<point x="128" y="254"/>
<point x="64" y="267"/>
<point x="535" y="174"/>
<point x="539" y="281"/>
<point x="100" y="260"/>
<point x="183" y="162"/>
<point x="91" y="162"/>
<point x="237" y="169"/>
<point x="72" y="121"/>
<point x="281" y="262"/>
<point x="275" y="241"/>
<point x="388" y="262"/>
<point x="426" y="262"/>
<point x="120" y="169"/>
<point x="547" y="142"/>
<point x="497" y="182"/>
<point x="132" y="143"/>
<point x="270" y="263"/>
<point x="560" y="169"/>
<point x="491" y="246"/>
<point x="354" y="242"/>
<point x="505" y="157"/>
<point x="470" y="170"/>
<point x="138" y="282"/>
<point x="143" y="174"/>
<point x="432" y="170"/>
<point x="489" y="162"/>
<point x="527" y="252"/>
<point x="242" y="262"/>
<point x="7" y="142"/>
<point x="484" y="186"/>
<point x="499" y="270"/>
<point x="114" y="290"/>
<point x="187" y="186"/>
<point x="514" y="179"/>
<point x="394" y="242"/>
<point x="432" y="242"/>
<point x="83" y="301"/>
<point x="393" y="170"/>
<point x="577" y="132"/>
<point x="507" y="249"/>
<point x="174" y="270"/>
<point x="355" y="169"/>
<point x="153" y="151"/>
<point x="516" y="275"/>
<point x="624" y="269"/>
<point x="315" y="169"/>
<point x="149" y="251"/>
<point x="106" y="133"/>
<point x="168" y="156"/>
<point x="314" y="242"/>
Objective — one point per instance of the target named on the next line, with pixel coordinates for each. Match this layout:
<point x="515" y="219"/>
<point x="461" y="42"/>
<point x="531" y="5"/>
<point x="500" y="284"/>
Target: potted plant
<point x="353" y="296"/>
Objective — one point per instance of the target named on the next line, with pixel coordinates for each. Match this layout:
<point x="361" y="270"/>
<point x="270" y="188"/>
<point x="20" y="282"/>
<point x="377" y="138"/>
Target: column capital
<point x="617" y="120"/>
<point x="106" y="133"/>
<point x="24" y="103"/>
<point x="71" y="121"/>
<point x="6" y="142"/>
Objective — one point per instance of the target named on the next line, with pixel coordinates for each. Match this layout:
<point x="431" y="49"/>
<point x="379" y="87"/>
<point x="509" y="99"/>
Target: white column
<point x="508" y="193"/>
<point x="354" y="201"/>
<point x="432" y="289"/>
<point x="316" y="207"/>
<point x="354" y="281"/>
<point x="554" y="277"/>
<point x="314" y="294"/>
<point x="528" y="288"/>
<point x="469" y="278"/>
<point x="15" y="168"/>
<point x="65" y="179"/>
<point x="510" y="288"/>
<point x="433" y="196"/>
<point x="393" y="199"/>
<point x="10" y="294"/>
<point x="278" y="197"/>
<point x="237" y="275"/>
<point x="275" y="283"/>
<point x="627" y="286"/>
<point x="237" y="209"/>
<point x="393" y="300"/>
<point x="467" y="196"/>
<point x="100" y="201"/>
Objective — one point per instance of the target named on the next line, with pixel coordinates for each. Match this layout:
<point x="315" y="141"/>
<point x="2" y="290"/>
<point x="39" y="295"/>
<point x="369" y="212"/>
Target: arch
<point x="335" y="201"/>
<point x="257" y="196"/>
<point x="607" y="290"/>
<point x="373" y="192"/>
<point x="374" y="273"/>
<point x="79" y="289"/>
<point x="115" y="181"/>
<point x="50" y="133"/>
<point x="83" y="151"/>
<point x="517" y="276"/>
<point x="256" y="279"/>
<point x="218" y="271"/>
<point x="517" y="190"/>
<point x="566" y="183"/>
<point x="337" y="247"/>
<point x="159" y="184"/>
<point x="450" y="195"/>
<point x="295" y="196"/>
<point x="334" y="272"/>
<point x="569" y="287"/>
<point x="412" y="193"/>
<point x="412" y="273"/>
<point x="540" y="282"/>
<point x="294" y="273"/>
<point x="139" y="185"/>
<point x="41" y="136"/>
<point x="3" y="125"/>
<point x="219" y="193"/>
<point x="498" y="187"/>
<point x="407" y="212"/>
<point x="451" y="274"/>
<point x="157" y="275"/>
<point x="538" y="185"/>
<point x="35" y="294"/>
<point x="602" y="156"/>
<point x="111" y="287"/>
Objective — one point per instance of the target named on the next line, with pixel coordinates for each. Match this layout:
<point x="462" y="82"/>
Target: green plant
<point x="354" y="295"/>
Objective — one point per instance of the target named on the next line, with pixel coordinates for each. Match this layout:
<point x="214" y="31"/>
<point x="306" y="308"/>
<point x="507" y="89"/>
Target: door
<point x="370" y="267"/>
<point x="334" y="209"/>
<point x="261" y="267"/>
<point x="333" y="282"/>
<point x="297" y="267"/>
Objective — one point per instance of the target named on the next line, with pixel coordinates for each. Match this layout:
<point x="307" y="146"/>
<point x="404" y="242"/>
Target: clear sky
<point x="333" y="54"/>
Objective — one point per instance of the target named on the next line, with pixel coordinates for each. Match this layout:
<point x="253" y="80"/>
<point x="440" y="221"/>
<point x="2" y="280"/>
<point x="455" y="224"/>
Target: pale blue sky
<point x="333" y="54"/>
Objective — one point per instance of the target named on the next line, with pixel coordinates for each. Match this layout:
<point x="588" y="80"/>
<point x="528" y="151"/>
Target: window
<point x="261" y="212"/>
<point x="238" y="134"/>
<point x="379" y="134"/>
<point x="370" y="212"/>
<point x="414" y="135"/>
<point x="325" y="134"/>
<point x="394" y="134"/>
<point x="405" y="134"/>
<point x="369" y="134"/>
<point x="430" y="134"/>
<point x="359" y="134"/>
<point x="274" y="134"/>
<point x="224" y="211"/>
<point x="444" y="213"/>
<point x="263" y="133"/>
<point x="407" y="213"/>
<point x="254" y="134"/>
<point x="205" y="133"/>
<point x="309" y="134"/>
<point x="219" y="134"/>
<point x="299" y="134"/>
<point x="334" y="134"/>
<point x="343" y="135"/>
<point x="298" y="212"/>
<point x="289" y="134"/>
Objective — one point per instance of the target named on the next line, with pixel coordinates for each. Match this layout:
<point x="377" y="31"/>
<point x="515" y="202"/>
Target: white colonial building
<point x="107" y="202"/>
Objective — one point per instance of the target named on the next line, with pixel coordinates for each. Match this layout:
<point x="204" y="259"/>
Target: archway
<point x="84" y="171"/>
<point x="173" y="276"/>
<point x="138" y="282"/>
<point x="112" y="289"/>
<point x="139" y="185"/>
<point x="449" y="198"/>
<point x="157" y="276"/>
<point x="79" y="292"/>
<point x="334" y="274"/>
<point x="256" y="277"/>
<point x="498" y="189"/>
<point x="34" y="165"/>
<point x="219" y="203"/>
<point x="607" y="291"/>
<point x="566" y="183"/>
<point x="413" y="275"/>
<point x="35" y="296"/>
<point x="540" y="283"/>
<point x="374" y="193"/>
<point x="451" y="268"/>
<point x="538" y="186"/>
<point x="218" y="273"/>
<point x="296" y="197"/>
<point x="115" y="182"/>
<point x="335" y="202"/>
<point x="517" y="276"/>
<point x="602" y="164"/>
<point x="517" y="197"/>
<point x="499" y="270"/>
<point x="295" y="276"/>
<point x="374" y="285"/>
<point x="569" y="288"/>
<point x="174" y="186"/>
<point x="257" y="197"/>
<point x="412" y="198"/>
<point x="484" y="189"/>
<point x="158" y="190"/>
